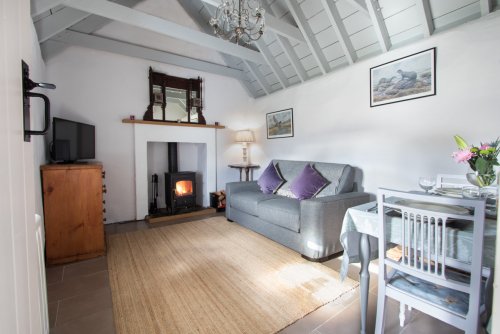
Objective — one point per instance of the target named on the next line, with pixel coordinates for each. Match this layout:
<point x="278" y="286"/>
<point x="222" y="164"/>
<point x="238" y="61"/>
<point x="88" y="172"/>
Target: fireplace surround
<point x="160" y="132"/>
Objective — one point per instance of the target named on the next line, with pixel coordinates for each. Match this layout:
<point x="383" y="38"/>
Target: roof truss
<point x="303" y="39"/>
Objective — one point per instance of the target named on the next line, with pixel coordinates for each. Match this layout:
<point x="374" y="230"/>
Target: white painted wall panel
<point x="345" y="8"/>
<point x="289" y="71"/>
<point x="319" y="22"/>
<point x="302" y="50"/>
<point x="282" y="60"/>
<point x="333" y="51"/>
<point x="356" y="22"/>
<point x="326" y="37"/>
<point x="457" y="17"/>
<point x="314" y="72"/>
<point x="311" y="8"/>
<point x="274" y="47"/>
<point x="309" y="62"/>
<point x="440" y="7"/>
<point x="294" y="80"/>
<point x="369" y="50"/>
<point x="403" y="21"/>
<point x="338" y="62"/>
<point x="364" y="38"/>
<point x="394" y="7"/>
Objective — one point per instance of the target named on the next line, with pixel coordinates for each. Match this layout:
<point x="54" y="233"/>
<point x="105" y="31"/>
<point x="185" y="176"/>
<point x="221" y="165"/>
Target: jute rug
<point x="212" y="276"/>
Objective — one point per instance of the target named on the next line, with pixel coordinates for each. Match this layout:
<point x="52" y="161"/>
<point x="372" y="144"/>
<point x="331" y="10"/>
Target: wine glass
<point x="426" y="183"/>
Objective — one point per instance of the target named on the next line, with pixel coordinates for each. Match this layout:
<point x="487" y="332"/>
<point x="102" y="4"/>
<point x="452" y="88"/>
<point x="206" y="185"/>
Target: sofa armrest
<point x="236" y="187"/>
<point x="321" y="222"/>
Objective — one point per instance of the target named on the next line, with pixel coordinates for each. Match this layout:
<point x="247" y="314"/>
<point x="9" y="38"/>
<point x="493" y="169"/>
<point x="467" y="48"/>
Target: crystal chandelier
<point x="241" y="22"/>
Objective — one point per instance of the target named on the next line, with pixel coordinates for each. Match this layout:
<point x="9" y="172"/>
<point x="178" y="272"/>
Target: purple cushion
<point x="308" y="183"/>
<point x="270" y="180"/>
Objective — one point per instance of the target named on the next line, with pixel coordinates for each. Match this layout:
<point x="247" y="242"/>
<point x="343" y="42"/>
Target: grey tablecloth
<point x="359" y="220"/>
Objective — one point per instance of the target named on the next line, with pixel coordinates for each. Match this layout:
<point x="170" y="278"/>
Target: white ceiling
<point x="303" y="38"/>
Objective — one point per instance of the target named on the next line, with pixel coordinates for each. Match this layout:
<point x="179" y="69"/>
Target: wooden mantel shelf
<point x="193" y="125"/>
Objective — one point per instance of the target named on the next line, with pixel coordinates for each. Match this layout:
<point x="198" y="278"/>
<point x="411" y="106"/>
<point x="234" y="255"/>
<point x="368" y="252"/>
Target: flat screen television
<point x="72" y="141"/>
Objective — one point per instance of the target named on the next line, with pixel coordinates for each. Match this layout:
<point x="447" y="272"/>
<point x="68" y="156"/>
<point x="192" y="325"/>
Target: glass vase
<point x="481" y="180"/>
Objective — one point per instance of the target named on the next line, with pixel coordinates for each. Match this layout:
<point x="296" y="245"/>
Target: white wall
<point x="394" y="144"/>
<point x="103" y="88"/>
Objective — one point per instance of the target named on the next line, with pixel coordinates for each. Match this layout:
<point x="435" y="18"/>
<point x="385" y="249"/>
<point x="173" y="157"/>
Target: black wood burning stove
<point x="180" y="187"/>
<point x="180" y="191"/>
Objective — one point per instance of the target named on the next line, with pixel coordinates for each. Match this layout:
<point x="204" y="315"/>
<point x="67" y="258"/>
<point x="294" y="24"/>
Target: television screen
<point x="72" y="141"/>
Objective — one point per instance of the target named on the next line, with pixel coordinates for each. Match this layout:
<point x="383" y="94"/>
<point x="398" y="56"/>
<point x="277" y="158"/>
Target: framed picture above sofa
<point x="406" y="78"/>
<point x="280" y="123"/>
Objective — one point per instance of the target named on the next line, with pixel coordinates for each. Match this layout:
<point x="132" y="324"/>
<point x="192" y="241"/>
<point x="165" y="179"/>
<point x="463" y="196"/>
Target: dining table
<point x="359" y="238"/>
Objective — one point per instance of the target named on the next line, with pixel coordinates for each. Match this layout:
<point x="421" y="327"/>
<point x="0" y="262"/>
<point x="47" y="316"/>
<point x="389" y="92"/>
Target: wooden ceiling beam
<point x="313" y="44"/>
<point x="486" y="6"/>
<point x="423" y="6"/>
<point x="41" y="6"/>
<point x="379" y="24"/>
<point x="339" y="27"/>
<point x="57" y="22"/>
<point x="272" y="63"/>
<point x="132" y="50"/>
<point x="254" y="69"/>
<point x="142" y="20"/>
<point x="292" y="56"/>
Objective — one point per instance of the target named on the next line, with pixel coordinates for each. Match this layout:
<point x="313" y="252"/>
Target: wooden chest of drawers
<point x="73" y="210"/>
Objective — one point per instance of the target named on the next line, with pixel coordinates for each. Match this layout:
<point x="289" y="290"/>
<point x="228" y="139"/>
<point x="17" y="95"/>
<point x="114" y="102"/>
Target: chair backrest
<point x="420" y="224"/>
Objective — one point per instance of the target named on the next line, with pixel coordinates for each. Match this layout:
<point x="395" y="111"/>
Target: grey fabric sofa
<point x="310" y="227"/>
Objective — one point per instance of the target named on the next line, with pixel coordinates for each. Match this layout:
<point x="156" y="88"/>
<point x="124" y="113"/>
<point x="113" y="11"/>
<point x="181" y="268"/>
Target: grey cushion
<point x="247" y="201"/>
<point x="341" y="176"/>
<point x="281" y="211"/>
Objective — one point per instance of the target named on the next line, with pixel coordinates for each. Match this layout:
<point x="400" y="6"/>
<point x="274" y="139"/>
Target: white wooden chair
<point x="425" y="278"/>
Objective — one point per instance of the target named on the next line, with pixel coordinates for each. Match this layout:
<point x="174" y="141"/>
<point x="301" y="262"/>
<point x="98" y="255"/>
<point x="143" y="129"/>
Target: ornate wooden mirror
<point x="174" y="99"/>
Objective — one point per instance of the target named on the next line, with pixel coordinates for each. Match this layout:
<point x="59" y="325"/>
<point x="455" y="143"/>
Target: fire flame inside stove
<point x="183" y="188"/>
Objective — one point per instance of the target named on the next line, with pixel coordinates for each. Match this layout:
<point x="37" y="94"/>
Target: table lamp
<point x="244" y="137"/>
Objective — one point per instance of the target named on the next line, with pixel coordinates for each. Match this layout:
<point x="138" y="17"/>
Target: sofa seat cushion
<point x="281" y="211"/>
<point x="248" y="201"/>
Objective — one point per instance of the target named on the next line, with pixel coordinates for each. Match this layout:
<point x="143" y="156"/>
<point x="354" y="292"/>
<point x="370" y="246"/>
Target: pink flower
<point x="484" y="147"/>
<point x="462" y="155"/>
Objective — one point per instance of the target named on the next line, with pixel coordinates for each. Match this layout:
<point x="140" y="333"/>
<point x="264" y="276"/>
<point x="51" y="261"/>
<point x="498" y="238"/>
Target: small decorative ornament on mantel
<point x="481" y="160"/>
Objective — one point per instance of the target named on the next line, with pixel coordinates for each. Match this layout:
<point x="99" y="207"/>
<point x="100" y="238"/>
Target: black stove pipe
<point x="172" y="158"/>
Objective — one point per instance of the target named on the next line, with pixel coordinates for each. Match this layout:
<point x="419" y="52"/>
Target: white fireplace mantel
<point x="147" y="132"/>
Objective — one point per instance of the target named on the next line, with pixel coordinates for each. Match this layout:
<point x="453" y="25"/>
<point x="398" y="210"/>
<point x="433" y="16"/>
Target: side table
<point x="248" y="170"/>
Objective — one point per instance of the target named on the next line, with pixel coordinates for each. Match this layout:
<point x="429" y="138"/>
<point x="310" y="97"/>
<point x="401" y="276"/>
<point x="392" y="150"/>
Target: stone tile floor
<point x="79" y="297"/>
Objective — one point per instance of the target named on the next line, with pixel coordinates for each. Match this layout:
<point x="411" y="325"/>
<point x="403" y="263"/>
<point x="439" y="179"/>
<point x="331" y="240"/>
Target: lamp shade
<point x="244" y="136"/>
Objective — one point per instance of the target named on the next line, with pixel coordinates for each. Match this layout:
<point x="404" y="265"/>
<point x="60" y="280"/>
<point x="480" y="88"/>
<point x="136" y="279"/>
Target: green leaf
<point x="461" y="143"/>
<point x="482" y="166"/>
